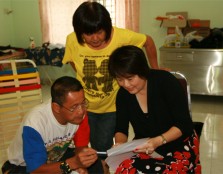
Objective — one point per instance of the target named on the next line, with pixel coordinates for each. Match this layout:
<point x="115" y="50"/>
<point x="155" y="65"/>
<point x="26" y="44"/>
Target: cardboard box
<point x="171" y="30"/>
<point x="202" y="27"/>
<point x="176" y="22"/>
<point x="195" y="23"/>
<point x="201" y="31"/>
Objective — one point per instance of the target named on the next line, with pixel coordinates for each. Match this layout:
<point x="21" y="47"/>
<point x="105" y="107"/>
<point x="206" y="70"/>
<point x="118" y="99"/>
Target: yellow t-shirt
<point x="92" y="68"/>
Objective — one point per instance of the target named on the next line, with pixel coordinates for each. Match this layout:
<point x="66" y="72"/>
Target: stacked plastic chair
<point x="20" y="90"/>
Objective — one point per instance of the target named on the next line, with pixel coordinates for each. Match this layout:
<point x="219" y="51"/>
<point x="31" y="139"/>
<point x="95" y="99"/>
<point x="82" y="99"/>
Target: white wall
<point x="6" y="26"/>
<point x="23" y="22"/>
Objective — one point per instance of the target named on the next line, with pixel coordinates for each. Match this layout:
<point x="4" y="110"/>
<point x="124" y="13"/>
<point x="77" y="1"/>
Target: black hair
<point x="62" y="86"/>
<point x="89" y="18"/>
<point x="128" y="60"/>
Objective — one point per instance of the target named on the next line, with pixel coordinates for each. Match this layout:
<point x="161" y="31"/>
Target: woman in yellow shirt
<point x="88" y="49"/>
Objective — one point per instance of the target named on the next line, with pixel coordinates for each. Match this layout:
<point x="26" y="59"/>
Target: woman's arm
<point x="151" y="52"/>
<point x="172" y="134"/>
<point x="150" y="146"/>
<point x="73" y="66"/>
<point x="120" y="138"/>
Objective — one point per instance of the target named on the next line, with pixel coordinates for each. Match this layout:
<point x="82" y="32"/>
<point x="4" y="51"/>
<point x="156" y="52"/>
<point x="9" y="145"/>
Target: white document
<point x="124" y="151"/>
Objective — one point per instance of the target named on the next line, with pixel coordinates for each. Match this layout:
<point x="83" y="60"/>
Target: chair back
<point x="20" y="90"/>
<point x="183" y="81"/>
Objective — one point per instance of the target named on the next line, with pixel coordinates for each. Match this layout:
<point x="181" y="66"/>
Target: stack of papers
<point x="124" y="151"/>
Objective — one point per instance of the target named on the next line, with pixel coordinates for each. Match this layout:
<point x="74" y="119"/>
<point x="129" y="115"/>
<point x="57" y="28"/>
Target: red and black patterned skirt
<point x="183" y="161"/>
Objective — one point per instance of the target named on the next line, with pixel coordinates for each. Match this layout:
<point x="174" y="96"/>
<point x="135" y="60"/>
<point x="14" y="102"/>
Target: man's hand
<point x="86" y="157"/>
<point x="83" y="159"/>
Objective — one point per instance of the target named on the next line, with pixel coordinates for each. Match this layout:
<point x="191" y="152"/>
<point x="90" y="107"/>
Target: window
<point x="56" y="16"/>
<point x="110" y="6"/>
<point x="116" y="9"/>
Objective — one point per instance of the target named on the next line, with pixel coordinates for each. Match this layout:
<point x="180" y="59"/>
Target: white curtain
<point x="119" y="20"/>
<point x="132" y="14"/>
<point x="56" y="17"/>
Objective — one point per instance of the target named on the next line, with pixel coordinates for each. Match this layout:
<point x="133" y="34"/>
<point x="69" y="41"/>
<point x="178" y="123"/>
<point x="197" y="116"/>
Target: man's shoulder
<point x="37" y="114"/>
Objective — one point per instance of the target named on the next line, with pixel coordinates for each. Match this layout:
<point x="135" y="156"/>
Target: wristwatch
<point x="164" y="139"/>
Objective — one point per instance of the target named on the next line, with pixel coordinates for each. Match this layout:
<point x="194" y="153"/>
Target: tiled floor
<point x="209" y="109"/>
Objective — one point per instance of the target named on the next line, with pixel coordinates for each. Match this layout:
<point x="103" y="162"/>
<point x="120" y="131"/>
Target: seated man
<point x="43" y="142"/>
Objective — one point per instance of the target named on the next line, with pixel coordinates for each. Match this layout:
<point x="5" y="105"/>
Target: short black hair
<point x="89" y="18"/>
<point x="62" y="86"/>
<point x="128" y="60"/>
